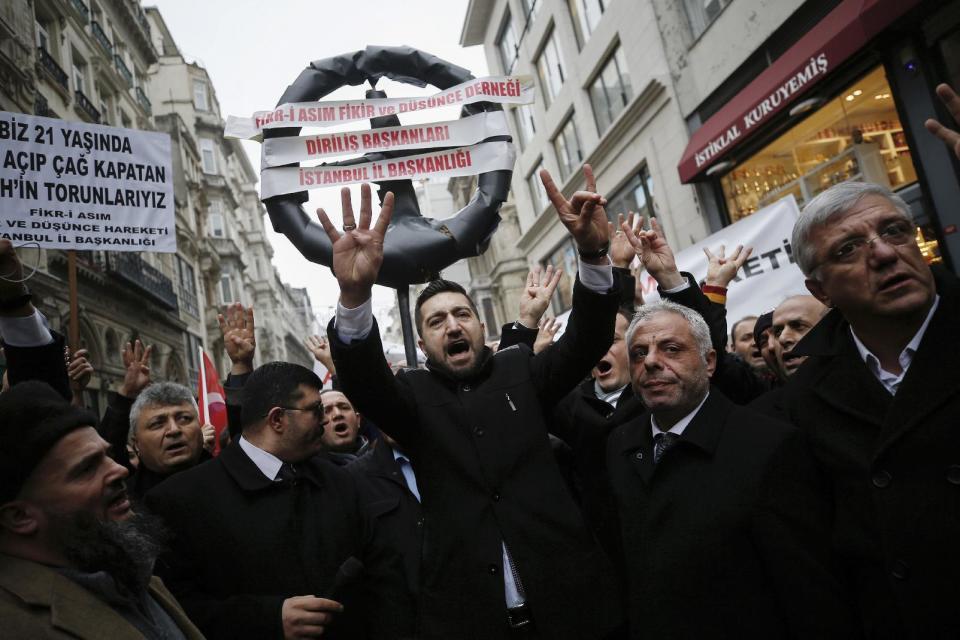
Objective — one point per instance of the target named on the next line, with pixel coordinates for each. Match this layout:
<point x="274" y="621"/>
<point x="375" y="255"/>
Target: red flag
<point x="212" y="400"/>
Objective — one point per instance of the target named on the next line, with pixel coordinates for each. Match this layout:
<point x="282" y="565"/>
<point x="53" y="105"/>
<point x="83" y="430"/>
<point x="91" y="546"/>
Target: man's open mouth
<point x="120" y="500"/>
<point x="457" y="347"/>
<point x="340" y="428"/>
<point x="604" y="367"/>
<point x="176" y="447"/>
<point x="893" y="281"/>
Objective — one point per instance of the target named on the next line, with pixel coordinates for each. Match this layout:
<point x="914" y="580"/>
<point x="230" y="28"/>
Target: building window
<point x="489" y="319"/>
<point x="585" y="15"/>
<point x="550" y="69"/>
<point x="226" y="289"/>
<point x="43" y="39"/>
<point x="610" y="91"/>
<point x="567" y="146"/>
<point x="530" y="9"/>
<point x="537" y="193"/>
<point x="525" y="124"/>
<point x="208" y="155"/>
<point x="636" y="195"/>
<point x="215" y="214"/>
<point x="185" y="274"/>
<point x="508" y="45"/>
<point x="79" y="75"/>
<point x="563" y="257"/>
<point x="701" y="13"/>
<point x="200" y="101"/>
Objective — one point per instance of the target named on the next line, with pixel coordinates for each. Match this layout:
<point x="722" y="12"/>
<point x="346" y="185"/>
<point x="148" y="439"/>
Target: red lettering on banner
<point x="430" y="164"/>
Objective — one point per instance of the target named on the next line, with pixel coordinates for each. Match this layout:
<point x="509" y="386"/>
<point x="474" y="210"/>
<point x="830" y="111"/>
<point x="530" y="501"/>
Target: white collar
<point x="681" y="423"/>
<point x="611" y="398"/>
<point x="905" y="358"/>
<point x="268" y="463"/>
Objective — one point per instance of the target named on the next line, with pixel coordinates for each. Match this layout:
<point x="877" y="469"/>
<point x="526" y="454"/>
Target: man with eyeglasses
<point x="260" y="532"/>
<point x="879" y="397"/>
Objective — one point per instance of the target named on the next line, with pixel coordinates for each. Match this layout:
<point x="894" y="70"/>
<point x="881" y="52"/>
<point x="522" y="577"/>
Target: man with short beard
<point x="506" y="551"/>
<point x="75" y="561"/>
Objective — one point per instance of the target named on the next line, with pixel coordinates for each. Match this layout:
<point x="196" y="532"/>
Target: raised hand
<point x="209" y="433"/>
<point x="136" y="364"/>
<point x="547" y="330"/>
<point x="583" y="214"/>
<point x="320" y="349"/>
<point x="621" y="251"/>
<point x="952" y="101"/>
<point x="358" y="252"/>
<point x="721" y="270"/>
<point x="79" y="370"/>
<point x="239" y="337"/>
<point x="654" y="253"/>
<point x="536" y="295"/>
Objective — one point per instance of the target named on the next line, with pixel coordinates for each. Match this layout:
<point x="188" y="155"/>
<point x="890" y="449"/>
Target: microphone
<point x="348" y="573"/>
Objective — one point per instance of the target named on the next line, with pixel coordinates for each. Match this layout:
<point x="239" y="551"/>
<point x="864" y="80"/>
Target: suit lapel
<point x="169" y="604"/>
<point x="848" y="386"/>
<point x="386" y="466"/>
<point x="705" y="429"/>
<point x="77" y="611"/>
<point x="933" y="376"/>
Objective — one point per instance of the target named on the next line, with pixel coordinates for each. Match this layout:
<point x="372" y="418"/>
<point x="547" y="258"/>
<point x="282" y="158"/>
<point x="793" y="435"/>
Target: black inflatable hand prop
<point x="416" y="249"/>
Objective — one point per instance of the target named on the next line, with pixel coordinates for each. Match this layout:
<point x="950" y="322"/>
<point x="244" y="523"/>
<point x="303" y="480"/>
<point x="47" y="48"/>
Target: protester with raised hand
<point x="508" y="551"/>
<point x="238" y="327"/>
<point x="721" y="270"/>
<point x="546" y="330"/>
<point x="33" y="351"/>
<point x="115" y="422"/>
<point x="319" y="346"/>
<point x="952" y="102"/>
<point x="534" y="300"/>
<point x="79" y="370"/>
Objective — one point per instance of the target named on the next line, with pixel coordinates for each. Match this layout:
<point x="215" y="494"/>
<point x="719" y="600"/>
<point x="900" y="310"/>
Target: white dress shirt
<point x="891" y="381"/>
<point x="681" y="424"/>
<point x="30" y="331"/>
<point x="268" y="463"/>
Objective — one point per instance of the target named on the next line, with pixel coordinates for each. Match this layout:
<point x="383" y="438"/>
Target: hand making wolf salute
<point x="506" y="552"/>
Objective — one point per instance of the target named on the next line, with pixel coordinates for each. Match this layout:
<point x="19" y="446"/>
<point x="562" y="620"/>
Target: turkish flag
<point x="212" y="400"/>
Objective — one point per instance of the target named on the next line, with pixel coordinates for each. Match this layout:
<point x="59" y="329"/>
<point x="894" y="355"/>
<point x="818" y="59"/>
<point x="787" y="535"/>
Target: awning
<point x="841" y="34"/>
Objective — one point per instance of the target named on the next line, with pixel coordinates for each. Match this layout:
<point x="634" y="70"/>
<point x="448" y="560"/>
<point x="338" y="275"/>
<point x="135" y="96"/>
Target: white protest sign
<point x="768" y="276"/>
<point x="71" y="185"/>
<point x="463" y="161"/>
<point x="501" y="89"/>
<point x="454" y="133"/>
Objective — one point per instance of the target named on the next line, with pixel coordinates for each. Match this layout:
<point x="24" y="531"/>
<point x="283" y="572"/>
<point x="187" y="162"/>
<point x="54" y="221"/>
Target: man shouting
<point x="505" y="550"/>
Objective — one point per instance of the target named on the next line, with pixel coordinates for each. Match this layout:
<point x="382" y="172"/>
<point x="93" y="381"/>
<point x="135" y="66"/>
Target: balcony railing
<point x="86" y="107"/>
<point x="144" y="101"/>
<point x="123" y="68"/>
<point x="81" y="7"/>
<point x="133" y="270"/>
<point x="55" y="70"/>
<point x="41" y="107"/>
<point x="101" y="36"/>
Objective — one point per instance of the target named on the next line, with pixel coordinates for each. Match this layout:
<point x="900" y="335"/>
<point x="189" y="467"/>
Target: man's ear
<point x="711" y="362"/>
<point x="815" y="287"/>
<point x="420" y="344"/>
<point x="275" y="420"/>
<point x="18" y="518"/>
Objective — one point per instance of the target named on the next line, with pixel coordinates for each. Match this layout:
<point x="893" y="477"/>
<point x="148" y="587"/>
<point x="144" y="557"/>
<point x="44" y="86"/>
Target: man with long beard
<point x="75" y="560"/>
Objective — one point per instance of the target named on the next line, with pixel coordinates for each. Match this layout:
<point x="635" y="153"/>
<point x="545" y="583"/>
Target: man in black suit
<point x="724" y="531"/>
<point x="505" y="550"/>
<point x="260" y="532"/>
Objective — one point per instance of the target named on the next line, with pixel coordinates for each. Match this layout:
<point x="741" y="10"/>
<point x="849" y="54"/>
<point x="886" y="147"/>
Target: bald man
<point x="792" y="319"/>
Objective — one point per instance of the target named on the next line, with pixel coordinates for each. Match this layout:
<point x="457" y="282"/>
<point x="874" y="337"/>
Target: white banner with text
<point x="72" y="185"/>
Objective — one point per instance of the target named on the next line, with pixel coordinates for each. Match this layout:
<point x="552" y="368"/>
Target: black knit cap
<point x="764" y="322"/>
<point x="33" y="417"/>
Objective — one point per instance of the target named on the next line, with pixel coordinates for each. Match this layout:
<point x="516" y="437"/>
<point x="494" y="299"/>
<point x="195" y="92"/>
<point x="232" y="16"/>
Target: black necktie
<point x="287" y="474"/>
<point x="662" y="443"/>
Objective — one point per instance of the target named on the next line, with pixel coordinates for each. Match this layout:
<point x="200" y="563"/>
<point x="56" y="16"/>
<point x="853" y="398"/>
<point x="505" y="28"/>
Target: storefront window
<point x="563" y="257"/>
<point x="855" y="136"/>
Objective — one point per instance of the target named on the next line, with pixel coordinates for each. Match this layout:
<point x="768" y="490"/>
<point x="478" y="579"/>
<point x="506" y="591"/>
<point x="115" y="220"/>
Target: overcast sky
<point x="253" y="50"/>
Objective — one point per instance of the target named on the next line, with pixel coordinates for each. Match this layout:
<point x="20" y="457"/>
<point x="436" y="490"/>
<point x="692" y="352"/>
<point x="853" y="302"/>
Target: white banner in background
<point x="500" y="89"/>
<point x="72" y="185"/>
<point x="453" y="133"/>
<point x="767" y="277"/>
<point x="464" y="161"/>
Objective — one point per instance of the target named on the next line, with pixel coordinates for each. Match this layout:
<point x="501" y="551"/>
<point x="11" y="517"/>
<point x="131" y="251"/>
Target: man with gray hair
<point x="165" y="434"/>
<point x="716" y="504"/>
<point x="878" y="398"/>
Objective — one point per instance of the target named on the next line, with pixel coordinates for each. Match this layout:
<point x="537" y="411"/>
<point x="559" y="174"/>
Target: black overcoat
<point x="894" y="465"/>
<point x="486" y="474"/>
<point x="242" y="544"/>
<point x="727" y="537"/>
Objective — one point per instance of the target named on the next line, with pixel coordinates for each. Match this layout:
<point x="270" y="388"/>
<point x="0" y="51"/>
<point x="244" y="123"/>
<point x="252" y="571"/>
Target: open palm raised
<point x="358" y="251"/>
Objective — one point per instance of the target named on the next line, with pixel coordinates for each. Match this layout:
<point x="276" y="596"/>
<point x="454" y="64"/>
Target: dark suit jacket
<point x="727" y="536"/>
<point x="44" y="363"/>
<point x="242" y="544"/>
<point x="487" y="474"/>
<point x="39" y="603"/>
<point x="894" y="465"/>
<point x="389" y="502"/>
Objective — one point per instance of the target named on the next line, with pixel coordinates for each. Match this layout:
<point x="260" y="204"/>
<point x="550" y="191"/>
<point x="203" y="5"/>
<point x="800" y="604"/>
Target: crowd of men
<point x="644" y="475"/>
